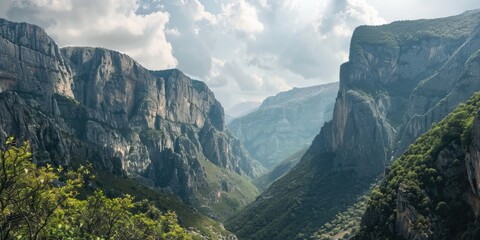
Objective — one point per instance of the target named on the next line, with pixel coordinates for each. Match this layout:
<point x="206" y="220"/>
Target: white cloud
<point x="110" y="24"/>
<point x="242" y="17"/>
<point x="244" y="80"/>
<point x="364" y="12"/>
<point x="311" y="42"/>
<point x="263" y="3"/>
<point x="197" y="11"/>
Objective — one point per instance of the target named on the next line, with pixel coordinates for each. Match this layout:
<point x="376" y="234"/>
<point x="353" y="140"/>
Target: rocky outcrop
<point x="77" y="104"/>
<point x="406" y="217"/>
<point x="472" y="160"/>
<point x="400" y="79"/>
<point x="285" y="123"/>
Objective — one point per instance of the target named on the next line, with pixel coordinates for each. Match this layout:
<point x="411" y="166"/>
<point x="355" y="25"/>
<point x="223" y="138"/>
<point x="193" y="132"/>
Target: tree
<point x="28" y="198"/>
<point x="40" y="203"/>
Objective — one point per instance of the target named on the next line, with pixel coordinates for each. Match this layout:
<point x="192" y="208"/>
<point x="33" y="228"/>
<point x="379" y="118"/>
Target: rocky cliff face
<point x="399" y="80"/>
<point x="78" y="104"/>
<point x="285" y="123"/>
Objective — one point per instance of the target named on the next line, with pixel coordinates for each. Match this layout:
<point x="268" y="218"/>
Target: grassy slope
<point x="225" y="193"/>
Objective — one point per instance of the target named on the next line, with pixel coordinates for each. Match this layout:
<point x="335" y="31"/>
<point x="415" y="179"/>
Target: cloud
<point x="245" y="81"/>
<point x="276" y="83"/>
<point x="193" y="37"/>
<point x="111" y="24"/>
<point x="216" y="76"/>
<point x="314" y="43"/>
<point x="242" y="17"/>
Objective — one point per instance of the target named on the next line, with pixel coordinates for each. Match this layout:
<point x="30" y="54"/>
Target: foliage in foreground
<point x="42" y="203"/>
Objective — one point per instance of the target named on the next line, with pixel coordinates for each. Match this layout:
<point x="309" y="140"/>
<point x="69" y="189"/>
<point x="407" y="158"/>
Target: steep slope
<point x="287" y="164"/>
<point x="159" y="127"/>
<point x="285" y="123"/>
<point x="400" y="78"/>
<point x="431" y="191"/>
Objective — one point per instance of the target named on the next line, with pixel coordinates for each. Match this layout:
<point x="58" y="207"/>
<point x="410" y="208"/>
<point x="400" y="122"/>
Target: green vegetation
<point x="151" y="134"/>
<point x="431" y="177"/>
<point x="224" y="192"/>
<point x="66" y="99"/>
<point x="345" y="224"/>
<point x="43" y="203"/>
<point x="117" y="186"/>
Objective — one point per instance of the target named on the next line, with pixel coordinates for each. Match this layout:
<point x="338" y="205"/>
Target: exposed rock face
<point x="472" y="160"/>
<point x="31" y="62"/>
<point x="285" y="123"/>
<point x="396" y="85"/>
<point x="406" y="217"/>
<point x="400" y="78"/>
<point x="78" y="104"/>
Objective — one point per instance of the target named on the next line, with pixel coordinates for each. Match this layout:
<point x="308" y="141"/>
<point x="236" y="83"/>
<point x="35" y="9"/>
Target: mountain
<point x="431" y="191"/>
<point x="285" y="123"/>
<point x="399" y="80"/>
<point x="78" y="104"/>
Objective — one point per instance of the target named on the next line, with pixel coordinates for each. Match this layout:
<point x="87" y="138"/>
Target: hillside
<point x="431" y="191"/>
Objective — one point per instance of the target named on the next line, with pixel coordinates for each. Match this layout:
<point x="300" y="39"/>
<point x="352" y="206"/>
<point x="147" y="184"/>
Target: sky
<point x="245" y="50"/>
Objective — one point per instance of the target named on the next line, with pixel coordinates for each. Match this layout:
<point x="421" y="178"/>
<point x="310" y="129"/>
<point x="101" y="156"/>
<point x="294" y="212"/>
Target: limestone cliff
<point x="285" y="123"/>
<point x="400" y="79"/>
<point x="77" y="104"/>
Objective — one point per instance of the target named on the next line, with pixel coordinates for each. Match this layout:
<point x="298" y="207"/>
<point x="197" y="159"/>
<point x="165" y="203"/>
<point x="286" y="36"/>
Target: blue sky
<point x="245" y="50"/>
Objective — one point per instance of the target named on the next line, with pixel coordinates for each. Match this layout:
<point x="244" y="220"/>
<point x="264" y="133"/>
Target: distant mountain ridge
<point x="242" y="109"/>
<point x="285" y="123"/>
<point x="400" y="79"/>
